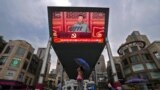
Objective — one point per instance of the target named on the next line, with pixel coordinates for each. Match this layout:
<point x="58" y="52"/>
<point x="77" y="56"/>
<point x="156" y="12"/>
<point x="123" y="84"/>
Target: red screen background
<point x="62" y="21"/>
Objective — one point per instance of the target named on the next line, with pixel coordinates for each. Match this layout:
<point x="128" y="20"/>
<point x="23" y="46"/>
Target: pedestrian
<point x="110" y="87"/>
<point x="80" y="75"/>
<point x="59" y="86"/>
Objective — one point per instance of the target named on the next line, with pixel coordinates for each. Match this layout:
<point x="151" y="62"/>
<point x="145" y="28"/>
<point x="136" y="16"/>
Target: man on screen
<point x="80" y="26"/>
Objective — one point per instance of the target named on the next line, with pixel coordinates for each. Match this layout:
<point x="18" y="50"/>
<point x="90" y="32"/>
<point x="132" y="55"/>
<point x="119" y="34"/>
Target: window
<point x="151" y="66"/>
<point x="134" y="48"/>
<point x="155" y="75"/>
<point x="3" y="60"/>
<point x="126" y="51"/>
<point x="157" y="55"/>
<point x="133" y="59"/>
<point x="21" y="76"/>
<point x="75" y="87"/>
<point x="30" y="81"/>
<point x="26" y="79"/>
<point x="137" y="67"/>
<point x="124" y="62"/>
<point x="146" y="57"/>
<point x="15" y="62"/>
<point x="20" y="52"/>
<point x="29" y="55"/>
<point x="127" y="71"/>
<point x="8" y="50"/>
<point x="25" y="65"/>
<point x="69" y="88"/>
<point x="118" y="67"/>
<point x="33" y="67"/>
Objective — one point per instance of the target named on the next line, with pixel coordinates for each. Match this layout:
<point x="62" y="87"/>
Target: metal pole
<point x="111" y="61"/>
<point x="40" y="81"/>
<point x="95" y="76"/>
<point x="62" y="77"/>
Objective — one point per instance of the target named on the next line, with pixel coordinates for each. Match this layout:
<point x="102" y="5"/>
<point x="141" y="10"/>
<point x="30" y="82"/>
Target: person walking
<point x="80" y="75"/>
<point x="59" y="86"/>
<point x="110" y="87"/>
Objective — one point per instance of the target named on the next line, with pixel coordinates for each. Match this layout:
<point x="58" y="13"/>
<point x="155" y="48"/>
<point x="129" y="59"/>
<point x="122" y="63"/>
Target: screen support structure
<point x="40" y="85"/>
<point x="62" y="75"/>
<point x="116" y="83"/>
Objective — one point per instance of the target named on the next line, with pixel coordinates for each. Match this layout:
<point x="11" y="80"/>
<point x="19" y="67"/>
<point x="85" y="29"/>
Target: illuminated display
<point x="15" y="62"/>
<point x="83" y="27"/>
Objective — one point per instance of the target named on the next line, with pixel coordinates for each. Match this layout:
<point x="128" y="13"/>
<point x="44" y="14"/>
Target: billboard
<point x="78" y="32"/>
<point x="77" y="26"/>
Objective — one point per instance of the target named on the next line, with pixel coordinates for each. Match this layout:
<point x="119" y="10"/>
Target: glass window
<point x="126" y="51"/>
<point x="8" y="50"/>
<point x="33" y="67"/>
<point x="29" y="55"/>
<point x="124" y="62"/>
<point x="157" y="55"/>
<point x="3" y="60"/>
<point x="134" y="48"/>
<point x="25" y="65"/>
<point x="155" y="75"/>
<point x="75" y="87"/>
<point x="69" y="88"/>
<point x="30" y="81"/>
<point x="151" y="66"/>
<point x="26" y="79"/>
<point x="21" y="76"/>
<point x="146" y="57"/>
<point x="127" y="71"/>
<point x="15" y="62"/>
<point x="20" y="52"/>
<point x="137" y="67"/>
<point x="133" y="59"/>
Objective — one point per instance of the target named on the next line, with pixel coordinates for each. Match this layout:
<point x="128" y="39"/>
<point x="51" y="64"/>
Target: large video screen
<point x="77" y="26"/>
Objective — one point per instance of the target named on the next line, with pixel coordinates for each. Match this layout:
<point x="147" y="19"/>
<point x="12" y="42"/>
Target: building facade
<point x="41" y="54"/>
<point x="52" y="79"/>
<point x="99" y="74"/>
<point x="59" y="72"/>
<point x="119" y="69"/>
<point x="140" y="59"/>
<point x="17" y="63"/>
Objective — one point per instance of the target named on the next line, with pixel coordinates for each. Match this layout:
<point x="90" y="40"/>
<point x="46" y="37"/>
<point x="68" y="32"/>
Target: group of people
<point x="80" y="77"/>
<point x="80" y="74"/>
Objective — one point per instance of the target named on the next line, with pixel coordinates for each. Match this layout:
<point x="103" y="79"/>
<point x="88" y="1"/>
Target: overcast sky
<point x="28" y="20"/>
